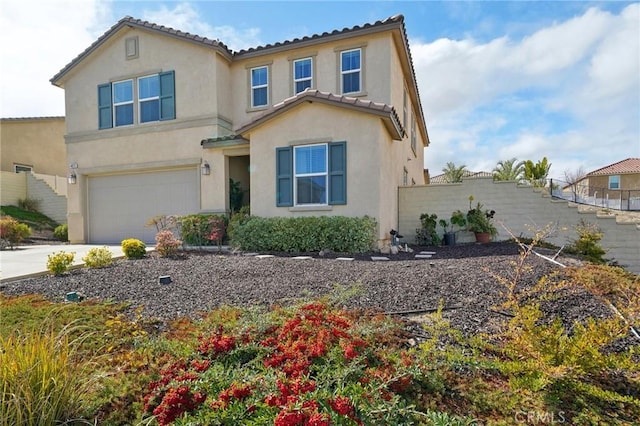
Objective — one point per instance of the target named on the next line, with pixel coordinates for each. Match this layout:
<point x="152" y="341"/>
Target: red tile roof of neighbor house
<point x="630" y="165"/>
<point x="465" y="175"/>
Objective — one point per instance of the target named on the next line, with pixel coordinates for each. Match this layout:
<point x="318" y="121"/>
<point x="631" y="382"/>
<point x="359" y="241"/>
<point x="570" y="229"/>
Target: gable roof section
<point x="630" y="165"/>
<point x="386" y="112"/>
<point x="395" y="22"/>
<point x="130" y="22"/>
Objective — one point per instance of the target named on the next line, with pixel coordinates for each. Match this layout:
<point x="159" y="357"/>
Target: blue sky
<point x="497" y="79"/>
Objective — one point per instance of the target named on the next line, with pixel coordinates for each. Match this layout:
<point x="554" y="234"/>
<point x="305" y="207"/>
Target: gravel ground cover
<point x="462" y="277"/>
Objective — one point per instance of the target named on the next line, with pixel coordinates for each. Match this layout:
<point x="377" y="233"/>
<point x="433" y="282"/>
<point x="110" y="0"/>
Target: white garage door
<point x="120" y="205"/>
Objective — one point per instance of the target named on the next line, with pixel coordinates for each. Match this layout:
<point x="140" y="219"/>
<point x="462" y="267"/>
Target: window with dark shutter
<point x="338" y="173"/>
<point x="284" y="177"/>
<point x="105" y="117"/>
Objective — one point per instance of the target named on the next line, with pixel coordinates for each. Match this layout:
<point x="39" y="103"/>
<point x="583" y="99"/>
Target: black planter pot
<point x="450" y="239"/>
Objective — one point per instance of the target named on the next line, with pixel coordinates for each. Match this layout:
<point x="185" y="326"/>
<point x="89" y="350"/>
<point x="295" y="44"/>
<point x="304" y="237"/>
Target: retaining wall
<point x="13" y="186"/>
<point x="50" y="203"/>
<point x="522" y="210"/>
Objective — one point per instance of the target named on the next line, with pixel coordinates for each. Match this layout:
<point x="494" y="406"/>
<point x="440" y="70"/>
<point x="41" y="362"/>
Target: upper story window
<point x="351" y="71"/>
<point x="154" y="96"/>
<point x="259" y="87"/>
<point x="302" y="75"/>
<point x="149" y="97"/>
<point x="123" y="103"/>
<point x="614" y="182"/>
<point x="405" y="109"/>
<point x="413" y="133"/>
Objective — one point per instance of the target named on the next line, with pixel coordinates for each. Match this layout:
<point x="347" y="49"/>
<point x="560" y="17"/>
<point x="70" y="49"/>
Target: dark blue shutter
<point x="105" y="117"/>
<point x="338" y="173"/>
<point x="284" y="177"/>
<point x="167" y="96"/>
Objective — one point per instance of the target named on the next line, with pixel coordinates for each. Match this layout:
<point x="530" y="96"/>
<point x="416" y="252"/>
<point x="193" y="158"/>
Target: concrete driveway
<point x="31" y="260"/>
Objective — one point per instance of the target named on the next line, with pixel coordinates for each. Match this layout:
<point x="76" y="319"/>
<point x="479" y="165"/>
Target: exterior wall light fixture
<point x="205" y="168"/>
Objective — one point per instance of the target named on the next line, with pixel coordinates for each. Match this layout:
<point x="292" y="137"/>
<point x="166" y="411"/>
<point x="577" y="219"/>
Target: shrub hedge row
<point x="196" y="229"/>
<point x="306" y="234"/>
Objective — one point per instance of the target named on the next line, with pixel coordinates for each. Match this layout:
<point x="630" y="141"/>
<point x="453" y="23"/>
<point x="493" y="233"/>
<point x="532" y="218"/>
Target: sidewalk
<point x="28" y="261"/>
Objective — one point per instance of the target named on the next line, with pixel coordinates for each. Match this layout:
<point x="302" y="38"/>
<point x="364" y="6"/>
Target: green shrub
<point x="238" y="218"/>
<point x="306" y="234"/>
<point x="166" y="243"/>
<point x="588" y="243"/>
<point x="59" y="263"/>
<point x="29" y="204"/>
<point x="196" y="229"/>
<point x="12" y="232"/>
<point x="40" y="382"/>
<point x="133" y="248"/>
<point x="61" y="232"/>
<point x="98" y="258"/>
<point x="427" y="235"/>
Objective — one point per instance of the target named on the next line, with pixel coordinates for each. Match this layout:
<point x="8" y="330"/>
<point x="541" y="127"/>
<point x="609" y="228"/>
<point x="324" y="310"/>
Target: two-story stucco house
<point x="159" y="121"/>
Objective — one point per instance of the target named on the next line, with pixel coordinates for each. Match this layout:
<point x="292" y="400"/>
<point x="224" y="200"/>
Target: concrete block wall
<point x="13" y="187"/>
<point x="51" y="204"/>
<point x="521" y="209"/>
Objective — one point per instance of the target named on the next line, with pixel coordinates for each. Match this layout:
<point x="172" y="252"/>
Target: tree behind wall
<point x="509" y="170"/>
<point x="536" y="174"/>
<point x="453" y="173"/>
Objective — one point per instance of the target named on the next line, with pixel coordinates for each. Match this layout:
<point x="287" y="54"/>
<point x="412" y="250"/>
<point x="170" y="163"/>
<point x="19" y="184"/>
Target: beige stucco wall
<point x="628" y="182"/>
<point x="195" y="81"/>
<point x="34" y="142"/>
<point x="212" y="99"/>
<point x="376" y="72"/>
<point x="522" y="210"/>
<point x="375" y="162"/>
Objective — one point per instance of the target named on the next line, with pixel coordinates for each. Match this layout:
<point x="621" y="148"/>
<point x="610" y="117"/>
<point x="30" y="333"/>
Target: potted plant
<point x="479" y="221"/>
<point x="449" y="226"/>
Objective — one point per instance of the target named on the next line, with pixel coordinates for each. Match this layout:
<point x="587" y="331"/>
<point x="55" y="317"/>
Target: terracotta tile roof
<point x="223" y="141"/>
<point x="128" y="21"/>
<point x="397" y="19"/>
<point x="467" y="174"/>
<point x="630" y="165"/>
<point x="387" y="112"/>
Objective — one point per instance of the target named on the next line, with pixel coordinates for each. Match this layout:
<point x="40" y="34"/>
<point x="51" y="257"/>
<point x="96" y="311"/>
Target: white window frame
<point x="297" y="175"/>
<point x="140" y="99"/>
<point x="259" y="86"/>
<point x="617" y="179"/>
<point x="299" y="80"/>
<point x="117" y="104"/>
<point x="358" y="70"/>
<point x="405" y="177"/>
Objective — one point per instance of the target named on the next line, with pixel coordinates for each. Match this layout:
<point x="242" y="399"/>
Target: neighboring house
<point x="33" y="144"/>
<point x="617" y="183"/>
<point x="159" y="121"/>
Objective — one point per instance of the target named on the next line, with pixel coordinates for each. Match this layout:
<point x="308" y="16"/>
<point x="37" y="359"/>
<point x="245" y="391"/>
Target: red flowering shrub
<point x="313" y="366"/>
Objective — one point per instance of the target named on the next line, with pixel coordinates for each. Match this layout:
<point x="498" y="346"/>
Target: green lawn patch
<point x="35" y="220"/>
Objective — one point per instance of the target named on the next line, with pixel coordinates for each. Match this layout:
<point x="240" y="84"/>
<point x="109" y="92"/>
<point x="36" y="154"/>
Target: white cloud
<point x="36" y="43"/>
<point x="568" y="91"/>
<point x="185" y="18"/>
